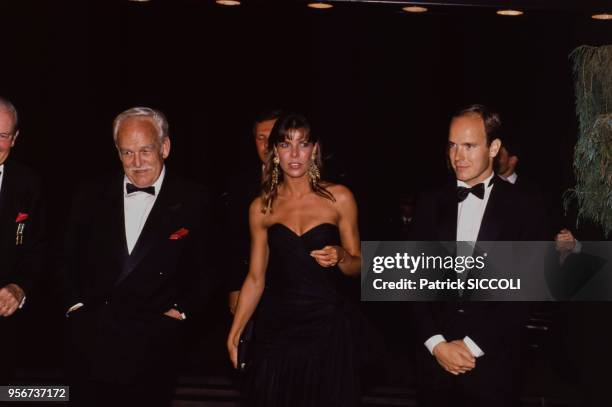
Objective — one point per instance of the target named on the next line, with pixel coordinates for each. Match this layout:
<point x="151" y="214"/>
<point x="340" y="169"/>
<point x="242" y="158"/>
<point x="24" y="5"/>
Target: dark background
<point x="378" y="84"/>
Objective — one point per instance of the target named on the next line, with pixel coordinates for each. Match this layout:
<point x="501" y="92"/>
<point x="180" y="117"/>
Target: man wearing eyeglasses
<point x="21" y="237"/>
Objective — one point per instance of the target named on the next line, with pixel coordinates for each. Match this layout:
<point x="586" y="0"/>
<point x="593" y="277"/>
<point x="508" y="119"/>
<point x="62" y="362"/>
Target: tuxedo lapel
<point x="111" y="226"/>
<point x="118" y="227"/>
<point x="494" y="215"/>
<point x="154" y="228"/>
<point x="447" y="214"/>
<point x="12" y="201"/>
<point x="7" y="219"/>
<point x="6" y="191"/>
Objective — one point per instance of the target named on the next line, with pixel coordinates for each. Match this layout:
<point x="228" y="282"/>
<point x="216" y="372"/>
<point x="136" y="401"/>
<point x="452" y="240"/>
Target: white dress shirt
<point x="469" y="218"/>
<point x="136" y="209"/>
<point x="470" y="212"/>
<point x="1" y="175"/>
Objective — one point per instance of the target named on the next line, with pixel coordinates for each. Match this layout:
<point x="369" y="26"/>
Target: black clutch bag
<point x="245" y="347"/>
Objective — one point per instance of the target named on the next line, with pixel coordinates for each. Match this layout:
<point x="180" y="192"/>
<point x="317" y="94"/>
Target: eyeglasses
<point x="6" y="136"/>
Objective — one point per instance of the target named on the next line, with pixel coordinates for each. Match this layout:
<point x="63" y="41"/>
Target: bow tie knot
<point x="131" y="188"/>
<point x="478" y="190"/>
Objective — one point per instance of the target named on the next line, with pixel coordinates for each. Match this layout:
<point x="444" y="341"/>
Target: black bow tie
<point x="131" y="188"/>
<point x="478" y="190"/>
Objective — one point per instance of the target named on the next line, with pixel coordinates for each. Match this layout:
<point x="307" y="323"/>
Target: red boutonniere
<point x="21" y="217"/>
<point x="179" y="234"/>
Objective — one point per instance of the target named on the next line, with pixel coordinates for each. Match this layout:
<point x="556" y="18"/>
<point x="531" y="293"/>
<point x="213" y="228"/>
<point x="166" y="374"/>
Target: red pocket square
<point x="179" y="234"/>
<point x="21" y="217"/>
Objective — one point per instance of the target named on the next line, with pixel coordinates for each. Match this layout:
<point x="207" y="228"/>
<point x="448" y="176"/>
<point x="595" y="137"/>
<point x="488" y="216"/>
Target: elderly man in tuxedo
<point x="136" y="268"/>
<point x="469" y="352"/>
<point x="21" y="236"/>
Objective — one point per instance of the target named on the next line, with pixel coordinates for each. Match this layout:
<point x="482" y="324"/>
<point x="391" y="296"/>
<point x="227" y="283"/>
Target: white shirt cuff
<point x="22" y="303"/>
<point x="182" y="314"/>
<point x="474" y="349"/>
<point x="74" y="308"/>
<point x="577" y="247"/>
<point x="432" y="342"/>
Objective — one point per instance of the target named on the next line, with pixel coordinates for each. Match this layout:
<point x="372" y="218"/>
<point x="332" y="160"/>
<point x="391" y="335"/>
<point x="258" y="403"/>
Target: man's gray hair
<point x="157" y="117"/>
<point x="8" y="106"/>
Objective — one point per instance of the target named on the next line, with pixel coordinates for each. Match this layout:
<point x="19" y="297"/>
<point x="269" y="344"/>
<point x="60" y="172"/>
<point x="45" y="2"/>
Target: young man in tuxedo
<point x="468" y="352"/>
<point x="137" y="266"/>
<point x="22" y="231"/>
<point x="506" y="165"/>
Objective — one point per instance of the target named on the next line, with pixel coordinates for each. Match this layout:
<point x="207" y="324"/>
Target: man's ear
<point x="14" y="138"/>
<point x="165" y="147"/>
<point x="513" y="160"/>
<point x="494" y="148"/>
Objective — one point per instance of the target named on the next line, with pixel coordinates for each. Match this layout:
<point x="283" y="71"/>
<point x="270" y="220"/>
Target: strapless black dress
<point x="304" y="350"/>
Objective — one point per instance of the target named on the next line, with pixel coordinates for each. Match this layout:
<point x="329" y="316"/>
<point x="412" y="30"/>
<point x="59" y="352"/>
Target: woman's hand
<point x="232" y="348"/>
<point x="329" y="256"/>
<point x="255" y="281"/>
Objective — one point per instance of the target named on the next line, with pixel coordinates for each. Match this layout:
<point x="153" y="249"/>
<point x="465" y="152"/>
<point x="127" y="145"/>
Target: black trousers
<point x="492" y="383"/>
<point x="9" y="341"/>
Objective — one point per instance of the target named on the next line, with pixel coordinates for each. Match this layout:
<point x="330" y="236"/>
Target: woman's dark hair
<point x="284" y="129"/>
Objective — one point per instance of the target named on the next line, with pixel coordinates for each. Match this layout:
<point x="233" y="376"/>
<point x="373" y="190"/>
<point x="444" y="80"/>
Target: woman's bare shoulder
<point x="255" y="209"/>
<point x="341" y="193"/>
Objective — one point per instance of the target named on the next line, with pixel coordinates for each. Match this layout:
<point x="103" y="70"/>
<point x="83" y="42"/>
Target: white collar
<point x="512" y="178"/>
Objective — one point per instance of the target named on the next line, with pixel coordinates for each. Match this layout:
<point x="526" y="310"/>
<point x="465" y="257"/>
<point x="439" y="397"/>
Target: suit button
<point x="106" y="302"/>
<point x="461" y="310"/>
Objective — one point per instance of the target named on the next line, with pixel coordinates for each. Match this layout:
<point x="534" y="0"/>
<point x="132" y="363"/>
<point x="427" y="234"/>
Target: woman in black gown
<point x="304" y="238"/>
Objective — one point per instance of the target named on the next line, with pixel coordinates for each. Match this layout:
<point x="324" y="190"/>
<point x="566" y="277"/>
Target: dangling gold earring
<point x="313" y="171"/>
<point x="275" y="172"/>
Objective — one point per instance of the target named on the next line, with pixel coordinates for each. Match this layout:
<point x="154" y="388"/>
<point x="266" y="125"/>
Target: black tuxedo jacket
<point x="510" y="215"/>
<point x="21" y="193"/>
<point x="121" y="332"/>
<point x="20" y="262"/>
<point x="239" y="193"/>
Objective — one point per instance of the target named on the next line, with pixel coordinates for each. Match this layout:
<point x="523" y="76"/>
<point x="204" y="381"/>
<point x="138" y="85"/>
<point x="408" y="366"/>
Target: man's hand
<point x="565" y="241"/>
<point x="173" y="313"/>
<point x="462" y="344"/>
<point x="233" y="300"/>
<point x="11" y="296"/>
<point x="454" y="357"/>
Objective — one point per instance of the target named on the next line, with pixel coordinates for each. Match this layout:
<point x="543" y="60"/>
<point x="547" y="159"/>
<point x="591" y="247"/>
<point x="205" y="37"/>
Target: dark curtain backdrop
<point x="378" y="84"/>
